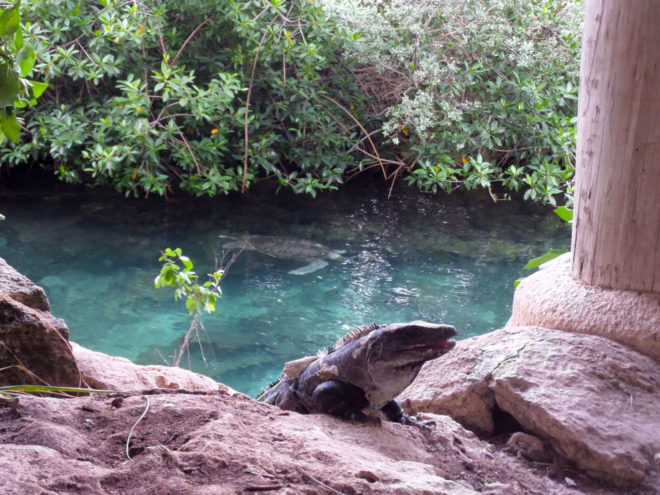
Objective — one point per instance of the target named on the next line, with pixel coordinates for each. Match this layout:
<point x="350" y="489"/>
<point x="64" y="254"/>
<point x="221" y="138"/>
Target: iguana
<point x="366" y="369"/>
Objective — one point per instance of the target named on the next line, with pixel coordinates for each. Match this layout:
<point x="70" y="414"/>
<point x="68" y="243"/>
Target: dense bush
<point x="148" y="95"/>
<point x="474" y="93"/>
<point x="16" y="62"/>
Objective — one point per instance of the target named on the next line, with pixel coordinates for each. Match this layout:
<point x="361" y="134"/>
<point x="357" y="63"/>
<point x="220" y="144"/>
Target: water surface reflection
<point x="412" y="257"/>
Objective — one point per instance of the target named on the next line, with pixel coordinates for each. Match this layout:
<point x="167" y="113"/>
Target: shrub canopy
<point x="152" y="95"/>
<point x="473" y="93"/>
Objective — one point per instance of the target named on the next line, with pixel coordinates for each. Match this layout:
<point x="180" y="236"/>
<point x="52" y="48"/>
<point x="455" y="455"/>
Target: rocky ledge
<point x="523" y="410"/>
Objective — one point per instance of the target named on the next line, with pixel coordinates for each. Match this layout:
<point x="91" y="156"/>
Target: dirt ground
<point x="224" y="443"/>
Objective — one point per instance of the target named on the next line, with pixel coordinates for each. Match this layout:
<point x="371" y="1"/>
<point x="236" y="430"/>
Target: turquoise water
<point x="443" y="259"/>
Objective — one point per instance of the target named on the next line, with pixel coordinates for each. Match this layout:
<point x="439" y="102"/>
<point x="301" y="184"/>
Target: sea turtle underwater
<point x="288" y="248"/>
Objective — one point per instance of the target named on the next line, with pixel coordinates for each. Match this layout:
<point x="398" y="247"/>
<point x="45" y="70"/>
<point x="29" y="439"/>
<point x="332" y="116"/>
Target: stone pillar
<point x="613" y="287"/>
<point x="616" y="231"/>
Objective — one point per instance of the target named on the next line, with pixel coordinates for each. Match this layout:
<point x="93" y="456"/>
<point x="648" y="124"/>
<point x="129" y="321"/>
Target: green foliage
<point x="209" y="97"/>
<point x="566" y="215"/>
<point x="477" y="94"/>
<point x="550" y="255"/>
<point x="184" y="280"/>
<point x="16" y="62"/>
<point x="150" y="95"/>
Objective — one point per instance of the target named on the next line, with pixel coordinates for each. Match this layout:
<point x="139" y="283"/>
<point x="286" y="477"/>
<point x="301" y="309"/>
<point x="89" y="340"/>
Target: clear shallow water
<point x="414" y="256"/>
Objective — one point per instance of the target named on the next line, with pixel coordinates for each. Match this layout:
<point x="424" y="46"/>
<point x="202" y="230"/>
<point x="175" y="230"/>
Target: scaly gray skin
<point x="366" y="372"/>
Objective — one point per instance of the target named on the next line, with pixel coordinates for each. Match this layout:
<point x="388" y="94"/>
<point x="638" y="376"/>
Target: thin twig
<point x="186" y="340"/>
<point x="396" y="172"/>
<point x="21" y="366"/>
<point x="85" y="52"/>
<point x="323" y="484"/>
<point x="225" y="268"/>
<point x="384" y="160"/>
<point x="192" y="155"/>
<point x="162" y="47"/>
<point x="373" y="146"/>
<point x="190" y="36"/>
<point x="247" y="108"/>
<point x="197" y="322"/>
<point x="130" y="433"/>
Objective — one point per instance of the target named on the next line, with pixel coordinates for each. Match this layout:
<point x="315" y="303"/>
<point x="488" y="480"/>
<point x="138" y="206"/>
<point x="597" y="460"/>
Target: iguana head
<point x="395" y="353"/>
<point x="408" y="344"/>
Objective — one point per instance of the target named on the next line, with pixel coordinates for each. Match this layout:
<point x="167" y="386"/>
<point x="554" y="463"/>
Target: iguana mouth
<point x="441" y="344"/>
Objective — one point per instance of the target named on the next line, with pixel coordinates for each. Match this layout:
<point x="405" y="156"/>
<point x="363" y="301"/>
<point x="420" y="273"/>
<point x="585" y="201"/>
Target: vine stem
<point x="190" y="36"/>
<point x="247" y="109"/>
<point x="373" y="146"/>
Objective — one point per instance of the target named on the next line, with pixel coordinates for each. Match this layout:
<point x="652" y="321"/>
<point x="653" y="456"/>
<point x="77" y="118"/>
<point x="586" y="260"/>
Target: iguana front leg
<point x="339" y="399"/>
<point x="393" y="411"/>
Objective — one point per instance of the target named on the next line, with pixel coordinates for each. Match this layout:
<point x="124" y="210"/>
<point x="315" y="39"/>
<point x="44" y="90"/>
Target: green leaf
<point x="564" y="213"/>
<point x="550" y="255"/>
<point x="45" y="388"/>
<point x="173" y="252"/>
<point x="186" y="262"/>
<point x="191" y="304"/>
<point x="10" y="126"/>
<point x="10" y="85"/>
<point x="26" y="59"/>
<point x="10" y="20"/>
<point x="38" y="88"/>
<point x="18" y="39"/>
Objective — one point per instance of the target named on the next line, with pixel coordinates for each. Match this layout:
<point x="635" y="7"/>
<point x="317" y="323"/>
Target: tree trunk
<point x="616" y="231"/>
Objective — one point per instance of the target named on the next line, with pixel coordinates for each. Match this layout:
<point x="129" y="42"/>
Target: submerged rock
<point x="593" y="400"/>
<point x="288" y="248"/>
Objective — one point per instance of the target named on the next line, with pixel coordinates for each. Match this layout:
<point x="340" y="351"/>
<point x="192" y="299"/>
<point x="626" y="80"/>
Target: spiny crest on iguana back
<point x="353" y="334"/>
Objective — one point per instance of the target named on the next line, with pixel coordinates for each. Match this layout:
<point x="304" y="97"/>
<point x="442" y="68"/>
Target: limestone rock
<point x="18" y="287"/>
<point x="101" y="371"/>
<point x="33" y="347"/>
<point x="528" y="446"/>
<point x="594" y="400"/>
<point x="464" y="393"/>
<point x="21" y="289"/>
<point x="552" y="298"/>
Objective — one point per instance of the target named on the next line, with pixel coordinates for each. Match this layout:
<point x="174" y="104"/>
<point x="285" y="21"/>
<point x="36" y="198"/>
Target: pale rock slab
<point x="101" y="371"/>
<point x="594" y="400"/>
<point x="456" y="385"/>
